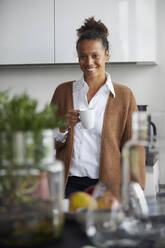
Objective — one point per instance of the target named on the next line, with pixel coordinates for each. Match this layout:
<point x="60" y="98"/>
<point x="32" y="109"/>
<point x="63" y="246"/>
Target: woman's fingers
<point x="72" y="117"/>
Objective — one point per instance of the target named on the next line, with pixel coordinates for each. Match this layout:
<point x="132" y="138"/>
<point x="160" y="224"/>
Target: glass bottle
<point x="133" y="154"/>
<point x="137" y="207"/>
<point x="56" y="195"/>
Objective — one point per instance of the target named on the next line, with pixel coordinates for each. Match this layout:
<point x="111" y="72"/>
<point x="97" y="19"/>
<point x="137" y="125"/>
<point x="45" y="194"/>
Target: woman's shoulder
<point x="124" y="96"/>
<point x="64" y="86"/>
<point x="121" y="89"/>
<point x="62" y="91"/>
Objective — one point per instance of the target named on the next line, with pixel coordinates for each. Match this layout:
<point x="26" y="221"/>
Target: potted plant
<point x="26" y="156"/>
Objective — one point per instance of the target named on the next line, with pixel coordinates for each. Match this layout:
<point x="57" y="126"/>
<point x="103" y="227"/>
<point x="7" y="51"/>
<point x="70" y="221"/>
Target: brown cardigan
<point x="116" y="131"/>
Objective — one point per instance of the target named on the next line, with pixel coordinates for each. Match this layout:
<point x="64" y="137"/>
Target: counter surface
<point x="74" y="236"/>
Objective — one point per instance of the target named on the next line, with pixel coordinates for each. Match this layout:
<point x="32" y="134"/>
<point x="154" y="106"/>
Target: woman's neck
<point x="94" y="85"/>
<point x="96" y="82"/>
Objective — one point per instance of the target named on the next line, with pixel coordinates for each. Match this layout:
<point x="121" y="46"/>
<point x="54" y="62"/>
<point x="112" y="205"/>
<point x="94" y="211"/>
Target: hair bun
<point x="91" y="25"/>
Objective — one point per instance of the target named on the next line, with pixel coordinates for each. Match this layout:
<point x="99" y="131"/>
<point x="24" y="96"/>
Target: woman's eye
<point x="95" y="56"/>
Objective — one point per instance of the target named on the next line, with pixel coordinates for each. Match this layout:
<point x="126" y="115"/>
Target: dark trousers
<point x="78" y="184"/>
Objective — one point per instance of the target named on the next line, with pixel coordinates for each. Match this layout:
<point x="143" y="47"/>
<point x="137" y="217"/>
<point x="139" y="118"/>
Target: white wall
<point x="147" y="82"/>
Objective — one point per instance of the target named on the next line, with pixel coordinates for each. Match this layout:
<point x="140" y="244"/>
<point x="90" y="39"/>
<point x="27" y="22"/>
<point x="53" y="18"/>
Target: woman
<point x="94" y="154"/>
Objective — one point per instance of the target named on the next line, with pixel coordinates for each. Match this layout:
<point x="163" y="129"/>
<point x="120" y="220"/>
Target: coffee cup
<point x="87" y="118"/>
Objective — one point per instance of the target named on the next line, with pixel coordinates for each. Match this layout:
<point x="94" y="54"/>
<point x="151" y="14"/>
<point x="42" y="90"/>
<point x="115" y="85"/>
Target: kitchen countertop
<point x="75" y="237"/>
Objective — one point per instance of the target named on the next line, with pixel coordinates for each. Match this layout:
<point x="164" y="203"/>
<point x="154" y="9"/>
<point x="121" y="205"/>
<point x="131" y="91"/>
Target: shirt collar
<point x="108" y="84"/>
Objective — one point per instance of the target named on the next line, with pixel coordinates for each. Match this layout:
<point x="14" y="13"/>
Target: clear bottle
<point x="56" y="195"/>
<point x="133" y="155"/>
<point x="137" y="207"/>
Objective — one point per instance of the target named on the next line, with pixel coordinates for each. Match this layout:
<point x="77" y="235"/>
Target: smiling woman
<point x="92" y="155"/>
<point x="93" y="52"/>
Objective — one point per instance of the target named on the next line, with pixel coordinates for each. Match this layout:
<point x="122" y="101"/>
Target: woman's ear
<point x="107" y="55"/>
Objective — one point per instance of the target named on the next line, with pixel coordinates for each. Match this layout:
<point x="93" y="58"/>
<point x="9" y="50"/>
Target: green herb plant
<point x="19" y="114"/>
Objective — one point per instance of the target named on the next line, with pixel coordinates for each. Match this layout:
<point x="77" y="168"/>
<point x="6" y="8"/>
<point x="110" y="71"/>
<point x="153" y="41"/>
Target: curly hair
<point x="93" y="30"/>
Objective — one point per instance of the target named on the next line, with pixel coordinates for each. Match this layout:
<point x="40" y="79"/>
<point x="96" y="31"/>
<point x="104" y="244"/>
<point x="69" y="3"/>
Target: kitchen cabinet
<point x="26" y="31"/>
<point x="44" y="31"/>
<point x="131" y="24"/>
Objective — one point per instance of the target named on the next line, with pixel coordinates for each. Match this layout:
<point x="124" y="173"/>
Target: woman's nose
<point x="89" y="61"/>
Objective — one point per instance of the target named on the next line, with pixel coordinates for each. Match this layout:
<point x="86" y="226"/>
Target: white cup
<point x="87" y="118"/>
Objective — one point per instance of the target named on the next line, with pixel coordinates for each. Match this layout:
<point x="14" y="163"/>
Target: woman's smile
<point x="91" y="69"/>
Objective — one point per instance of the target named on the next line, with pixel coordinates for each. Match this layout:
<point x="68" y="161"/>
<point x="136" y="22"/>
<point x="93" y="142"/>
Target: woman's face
<point x="92" y="57"/>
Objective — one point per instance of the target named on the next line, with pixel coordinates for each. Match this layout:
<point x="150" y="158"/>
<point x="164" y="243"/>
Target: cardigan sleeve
<point x="56" y="100"/>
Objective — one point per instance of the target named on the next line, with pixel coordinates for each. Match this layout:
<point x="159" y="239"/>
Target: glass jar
<point x="31" y="189"/>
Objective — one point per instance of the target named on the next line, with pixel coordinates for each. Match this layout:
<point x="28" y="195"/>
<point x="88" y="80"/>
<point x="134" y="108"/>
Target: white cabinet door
<point x="131" y="25"/>
<point x="26" y="31"/>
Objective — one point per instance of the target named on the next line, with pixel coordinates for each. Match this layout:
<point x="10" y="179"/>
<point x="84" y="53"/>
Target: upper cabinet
<point x="131" y="24"/>
<point x="26" y="31"/>
<point x="44" y="31"/>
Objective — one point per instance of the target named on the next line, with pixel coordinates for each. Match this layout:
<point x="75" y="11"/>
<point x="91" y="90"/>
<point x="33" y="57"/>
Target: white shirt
<point x="87" y="142"/>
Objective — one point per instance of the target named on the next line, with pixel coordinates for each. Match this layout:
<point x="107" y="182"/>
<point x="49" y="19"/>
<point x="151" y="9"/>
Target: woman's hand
<point x="72" y="118"/>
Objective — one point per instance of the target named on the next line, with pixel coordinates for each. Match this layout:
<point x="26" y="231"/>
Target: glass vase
<point x="31" y="189"/>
